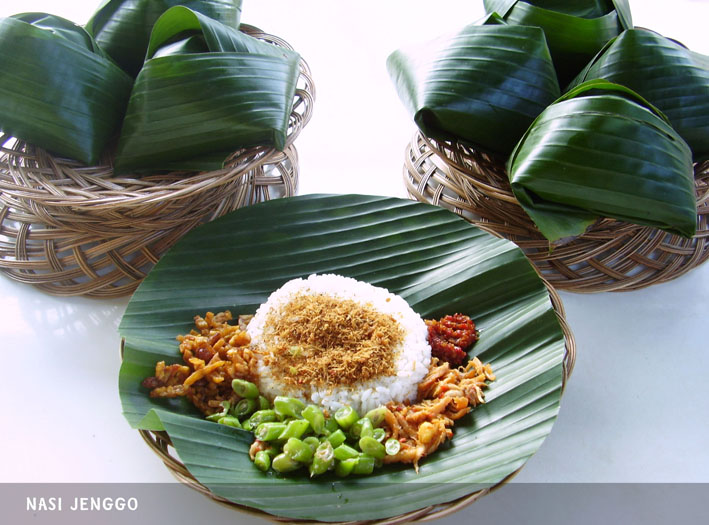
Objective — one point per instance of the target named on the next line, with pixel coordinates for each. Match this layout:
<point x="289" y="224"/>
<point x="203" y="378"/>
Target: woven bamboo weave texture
<point x="72" y="229"/>
<point x="611" y="255"/>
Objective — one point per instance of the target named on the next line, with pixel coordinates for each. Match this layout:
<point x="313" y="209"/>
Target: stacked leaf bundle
<point x="165" y="84"/>
<point x="618" y="142"/>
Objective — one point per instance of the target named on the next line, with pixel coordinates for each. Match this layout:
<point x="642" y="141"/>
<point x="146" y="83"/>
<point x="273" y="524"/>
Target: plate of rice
<point x="344" y="304"/>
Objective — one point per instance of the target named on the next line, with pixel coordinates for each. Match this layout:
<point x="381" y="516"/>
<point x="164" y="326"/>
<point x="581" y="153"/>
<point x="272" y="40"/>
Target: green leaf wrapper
<point x="122" y="27"/>
<point x="435" y="260"/>
<point x="207" y="91"/>
<point x="59" y="91"/>
<point x="601" y="150"/>
<point x="575" y="29"/>
<point x="667" y="74"/>
<point x="483" y="85"/>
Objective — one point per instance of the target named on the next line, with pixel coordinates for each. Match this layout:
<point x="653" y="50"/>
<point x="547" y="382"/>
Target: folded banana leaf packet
<point x="122" y="27"/>
<point x="483" y="85"/>
<point x="667" y="74"/>
<point x="205" y="91"/>
<point x="575" y="29"/>
<point x="602" y="150"/>
<point x="58" y="89"/>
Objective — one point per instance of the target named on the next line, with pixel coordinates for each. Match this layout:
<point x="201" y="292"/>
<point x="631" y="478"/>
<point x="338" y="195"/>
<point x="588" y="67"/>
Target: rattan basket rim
<point x="611" y="256"/>
<point x="160" y="444"/>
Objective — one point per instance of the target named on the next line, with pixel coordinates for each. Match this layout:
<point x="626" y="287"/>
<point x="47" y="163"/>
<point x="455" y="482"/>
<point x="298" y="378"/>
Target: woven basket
<point x="611" y="256"/>
<point x="76" y="230"/>
<point x="160" y="443"/>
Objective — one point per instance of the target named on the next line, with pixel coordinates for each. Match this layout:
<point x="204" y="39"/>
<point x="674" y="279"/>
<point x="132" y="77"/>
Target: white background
<point x="635" y="409"/>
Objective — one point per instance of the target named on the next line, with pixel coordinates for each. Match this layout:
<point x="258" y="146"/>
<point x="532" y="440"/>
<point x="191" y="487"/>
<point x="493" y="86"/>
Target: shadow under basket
<point x="160" y="443"/>
<point x="611" y="255"/>
<point x="72" y="229"/>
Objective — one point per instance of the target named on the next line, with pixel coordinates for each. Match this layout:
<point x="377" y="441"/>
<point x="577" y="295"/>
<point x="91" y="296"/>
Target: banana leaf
<point x="667" y="74"/>
<point x="58" y="90"/>
<point x="122" y="27"/>
<point x="602" y="150"/>
<point x="483" y="85"/>
<point x="189" y="110"/>
<point x="435" y="260"/>
<point x="180" y="23"/>
<point x="575" y="29"/>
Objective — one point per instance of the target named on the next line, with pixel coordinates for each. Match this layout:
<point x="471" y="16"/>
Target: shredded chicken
<point x="215" y="353"/>
<point x="445" y="395"/>
<point x="342" y="342"/>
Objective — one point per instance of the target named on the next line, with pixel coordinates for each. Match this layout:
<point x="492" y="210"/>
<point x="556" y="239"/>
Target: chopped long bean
<point x="295" y="435"/>
<point x="262" y="460"/>
<point x="364" y="465"/>
<point x="269" y="431"/>
<point x="371" y="446"/>
<point x="244" y="407"/>
<point x="346" y="416"/>
<point x="323" y="459"/>
<point x="345" y="452"/>
<point x="315" y="417"/>
<point x="283" y="463"/>
<point x="295" y="428"/>
<point x="337" y="438"/>
<point x="345" y="467"/>
<point x="288" y="406"/>
<point x="298" y="450"/>
<point x="379" y="434"/>
<point x="362" y="427"/>
<point x="312" y="442"/>
<point x="229" y="421"/>
<point x="330" y="426"/>
<point x="376" y="416"/>
<point x="245" y="389"/>
<point x="263" y="403"/>
<point x="392" y="446"/>
<point x="262" y="416"/>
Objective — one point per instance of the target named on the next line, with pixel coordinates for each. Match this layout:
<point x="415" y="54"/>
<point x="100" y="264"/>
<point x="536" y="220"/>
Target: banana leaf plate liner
<point x="610" y="256"/>
<point x="72" y="229"/>
<point x="160" y="443"/>
<point x="431" y="257"/>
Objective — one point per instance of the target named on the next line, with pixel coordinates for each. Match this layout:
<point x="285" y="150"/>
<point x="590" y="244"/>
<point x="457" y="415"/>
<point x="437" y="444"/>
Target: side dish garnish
<point x="214" y="354"/>
<point x="290" y="435"/>
<point x="326" y="340"/>
<point x="450" y="337"/>
<point x="445" y="395"/>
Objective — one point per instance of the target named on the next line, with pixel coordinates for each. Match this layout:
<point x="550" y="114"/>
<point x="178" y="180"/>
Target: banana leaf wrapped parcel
<point x="575" y="29"/>
<point x="122" y="27"/>
<point x="483" y="85"/>
<point x="601" y="150"/>
<point x="667" y="74"/>
<point x="205" y="90"/>
<point x="58" y="88"/>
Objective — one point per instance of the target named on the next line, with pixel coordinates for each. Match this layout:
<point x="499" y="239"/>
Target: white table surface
<point x="637" y="405"/>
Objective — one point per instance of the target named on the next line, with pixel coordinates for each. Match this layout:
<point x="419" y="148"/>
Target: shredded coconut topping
<point x="322" y="340"/>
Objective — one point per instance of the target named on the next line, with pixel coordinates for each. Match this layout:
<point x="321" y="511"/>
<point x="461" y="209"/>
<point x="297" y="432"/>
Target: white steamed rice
<point x="411" y="363"/>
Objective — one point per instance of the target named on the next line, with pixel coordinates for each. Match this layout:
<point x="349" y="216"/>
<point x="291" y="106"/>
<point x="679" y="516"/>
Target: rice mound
<point x="412" y="354"/>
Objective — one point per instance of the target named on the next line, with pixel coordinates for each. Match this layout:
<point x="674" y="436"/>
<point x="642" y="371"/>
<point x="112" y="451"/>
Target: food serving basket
<point x="72" y="229"/>
<point x="611" y="255"/>
<point x="160" y="443"/>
